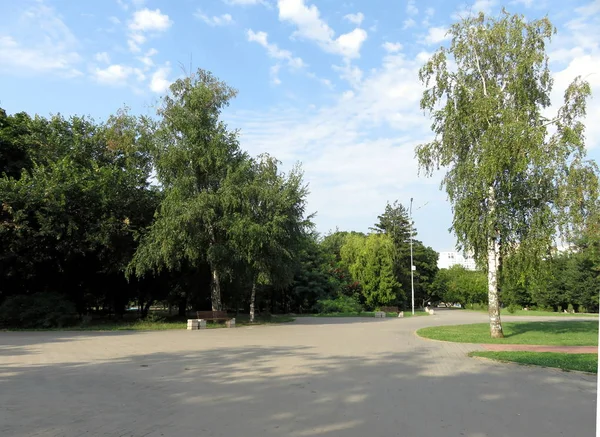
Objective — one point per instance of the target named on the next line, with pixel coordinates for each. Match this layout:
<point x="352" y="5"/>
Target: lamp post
<point x="412" y="267"/>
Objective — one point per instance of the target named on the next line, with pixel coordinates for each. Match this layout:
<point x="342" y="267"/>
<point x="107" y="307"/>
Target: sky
<point x="331" y="84"/>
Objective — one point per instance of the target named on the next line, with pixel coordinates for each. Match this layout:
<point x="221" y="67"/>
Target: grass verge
<point x="563" y="333"/>
<point x="579" y="362"/>
<point x="361" y="314"/>
<point x="160" y="325"/>
<point x="535" y="313"/>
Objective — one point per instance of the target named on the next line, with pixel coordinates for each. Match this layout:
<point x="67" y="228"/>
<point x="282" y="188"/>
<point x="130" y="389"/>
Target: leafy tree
<point x="370" y="262"/>
<point x="395" y="223"/>
<point x="270" y="226"/>
<point x="459" y="285"/>
<point x="69" y="221"/>
<point x="514" y="176"/>
<point x="199" y="165"/>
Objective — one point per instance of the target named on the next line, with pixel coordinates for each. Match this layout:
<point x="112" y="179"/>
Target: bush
<point x="39" y="310"/>
<point x="513" y="308"/>
<point x="559" y="308"/>
<point x="582" y="309"/>
<point x="570" y="308"/>
<point x="341" y="304"/>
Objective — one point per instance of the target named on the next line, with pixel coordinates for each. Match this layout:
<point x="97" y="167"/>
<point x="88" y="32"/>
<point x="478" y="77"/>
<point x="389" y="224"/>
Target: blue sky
<point x="331" y="84"/>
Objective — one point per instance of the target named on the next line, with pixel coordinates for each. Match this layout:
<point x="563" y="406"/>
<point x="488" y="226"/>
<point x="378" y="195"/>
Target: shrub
<point x="570" y="308"/>
<point x="582" y="309"/>
<point x="513" y="308"/>
<point x="341" y="304"/>
<point x="39" y="310"/>
<point x="559" y="308"/>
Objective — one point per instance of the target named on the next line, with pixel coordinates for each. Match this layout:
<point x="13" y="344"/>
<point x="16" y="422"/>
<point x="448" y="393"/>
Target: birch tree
<point x="517" y="178"/>
<point x="198" y="163"/>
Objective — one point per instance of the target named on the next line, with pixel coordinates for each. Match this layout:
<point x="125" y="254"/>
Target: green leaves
<point x="488" y="113"/>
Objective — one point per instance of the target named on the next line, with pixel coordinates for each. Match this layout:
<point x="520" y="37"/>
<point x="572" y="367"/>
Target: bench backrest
<point x="390" y="309"/>
<point x="212" y="314"/>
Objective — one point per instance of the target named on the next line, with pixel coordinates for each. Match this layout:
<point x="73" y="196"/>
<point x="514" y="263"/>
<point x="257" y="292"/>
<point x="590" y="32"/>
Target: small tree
<point x="515" y="178"/>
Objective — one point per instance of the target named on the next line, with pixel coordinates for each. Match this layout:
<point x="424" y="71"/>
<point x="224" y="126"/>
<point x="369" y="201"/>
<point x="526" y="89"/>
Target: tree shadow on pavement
<point x="290" y="391"/>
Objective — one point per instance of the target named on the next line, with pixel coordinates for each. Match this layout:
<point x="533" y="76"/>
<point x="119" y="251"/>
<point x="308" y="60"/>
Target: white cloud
<point x="350" y="73"/>
<point x="147" y="58"/>
<point x="373" y="126"/>
<point x="273" y="50"/>
<point x="408" y="23"/>
<point x="115" y="75"/>
<point x="221" y="20"/>
<point x="466" y="10"/>
<point x="526" y="3"/>
<point x="436" y="35"/>
<point x="429" y="12"/>
<point x="114" y="20"/>
<point x="310" y="26"/>
<point x="392" y="47"/>
<point x="355" y="18"/>
<point x="160" y="82"/>
<point x="411" y="8"/>
<point x="39" y="42"/>
<point x="244" y="2"/>
<point x="123" y="4"/>
<point x="102" y="57"/>
<point x="146" y="21"/>
<point x="575" y="51"/>
<point x="274" y="72"/>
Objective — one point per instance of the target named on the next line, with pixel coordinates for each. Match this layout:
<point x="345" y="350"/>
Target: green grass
<point x="535" y="313"/>
<point x="580" y="362"/>
<point x="362" y="314"/>
<point x="160" y="325"/>
<point x="564" y="333"/>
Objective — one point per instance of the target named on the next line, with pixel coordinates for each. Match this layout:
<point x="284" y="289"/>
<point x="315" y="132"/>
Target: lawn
<point x="564" y="333"/>
<point x="535" y="313"/>
<point x="580" y="362"/>
<point x="362" y="314"/>
<point x="160" y="325"/>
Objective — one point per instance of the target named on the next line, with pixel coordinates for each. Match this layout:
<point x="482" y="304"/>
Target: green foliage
<point x="341" y="304"/>
<point x="39" y="310"/>
<point x="570" y="308"/>
<point x="515" y="178"/>
<point x="459" y="285"/>
<point x="370" y="262"/>
<point x="564" y="361"/>
<point x="513" y="308"/>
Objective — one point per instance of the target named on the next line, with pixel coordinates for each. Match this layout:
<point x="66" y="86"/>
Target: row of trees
<point x="171" y="209"/>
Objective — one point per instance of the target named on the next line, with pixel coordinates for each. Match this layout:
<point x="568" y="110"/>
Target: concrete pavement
<point x="314" y="377"/>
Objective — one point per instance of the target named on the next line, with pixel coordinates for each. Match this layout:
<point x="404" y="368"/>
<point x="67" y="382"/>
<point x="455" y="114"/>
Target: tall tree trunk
<point x="493" y="268"/>
<point x="182" y="306"/>
<point x="252" y="300"/>
<point x="215" y="290"/>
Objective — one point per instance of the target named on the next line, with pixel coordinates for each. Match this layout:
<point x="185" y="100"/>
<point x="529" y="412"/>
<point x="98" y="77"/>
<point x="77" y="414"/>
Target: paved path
<point x="315" y="377"/>
<point x="540" y="348"/>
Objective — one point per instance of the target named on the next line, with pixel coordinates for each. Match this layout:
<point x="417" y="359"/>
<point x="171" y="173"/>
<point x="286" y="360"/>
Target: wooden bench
<point x="215" y="316"/>
<point x="390" y="310"/>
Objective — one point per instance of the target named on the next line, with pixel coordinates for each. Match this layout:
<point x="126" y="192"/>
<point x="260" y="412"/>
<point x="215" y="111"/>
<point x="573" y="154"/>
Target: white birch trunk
<point x="493" y="267"/>
<point x="252" y="300"/>
<point x="215" y="291"/>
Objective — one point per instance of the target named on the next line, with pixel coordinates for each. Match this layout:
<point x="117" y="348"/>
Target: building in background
<point x="449" y="259"/>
